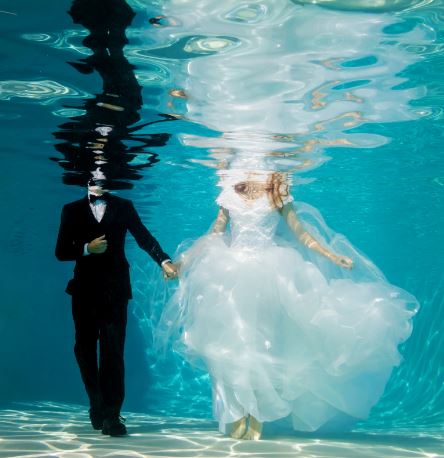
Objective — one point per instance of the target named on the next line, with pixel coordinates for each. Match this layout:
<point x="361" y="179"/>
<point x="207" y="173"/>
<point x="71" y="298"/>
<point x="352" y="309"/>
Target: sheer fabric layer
<point x="282" y="331"/>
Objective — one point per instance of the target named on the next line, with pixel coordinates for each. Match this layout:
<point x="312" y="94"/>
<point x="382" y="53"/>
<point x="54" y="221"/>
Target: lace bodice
<point x="253" y="222"/>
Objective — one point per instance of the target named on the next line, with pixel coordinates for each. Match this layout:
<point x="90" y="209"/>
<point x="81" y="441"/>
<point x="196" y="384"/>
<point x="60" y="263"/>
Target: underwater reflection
<point x="300" y="75"/>
<point x="102" y="139"/>
<point x="366" y="5"/>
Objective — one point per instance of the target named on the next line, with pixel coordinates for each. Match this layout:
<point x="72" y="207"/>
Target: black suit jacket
<point x="104" y="275"/>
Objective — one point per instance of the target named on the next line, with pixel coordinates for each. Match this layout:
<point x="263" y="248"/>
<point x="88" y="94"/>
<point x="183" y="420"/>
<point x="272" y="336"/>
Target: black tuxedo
<point x="100" y="291"/>
<point x="106" y="274"/>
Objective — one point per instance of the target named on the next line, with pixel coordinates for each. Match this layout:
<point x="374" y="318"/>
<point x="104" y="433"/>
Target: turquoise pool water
<point x="349" y="102"/>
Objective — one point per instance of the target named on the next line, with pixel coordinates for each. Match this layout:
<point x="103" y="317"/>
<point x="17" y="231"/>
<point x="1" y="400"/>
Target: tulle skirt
<point x="282" y="339"/>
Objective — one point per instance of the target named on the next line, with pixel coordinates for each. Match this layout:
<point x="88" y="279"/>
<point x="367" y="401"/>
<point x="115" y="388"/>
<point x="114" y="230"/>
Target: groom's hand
<point x="169" y="270"/>
<point x="98" y="245"/>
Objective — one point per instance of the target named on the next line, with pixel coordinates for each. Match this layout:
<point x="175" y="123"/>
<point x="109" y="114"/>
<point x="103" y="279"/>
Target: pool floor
<point x="63" y="430"/>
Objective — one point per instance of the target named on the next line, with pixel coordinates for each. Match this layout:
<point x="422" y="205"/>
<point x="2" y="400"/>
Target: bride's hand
<point x="343" y="261"/>
<point x="170" y="270"/>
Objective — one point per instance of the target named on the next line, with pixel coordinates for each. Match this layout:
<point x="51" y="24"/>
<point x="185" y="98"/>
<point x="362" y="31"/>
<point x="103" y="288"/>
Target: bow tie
<point x="104" y="198"/>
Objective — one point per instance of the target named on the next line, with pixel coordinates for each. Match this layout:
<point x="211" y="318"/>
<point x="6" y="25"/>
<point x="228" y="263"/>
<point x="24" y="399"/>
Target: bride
<point x="290" y="320"/>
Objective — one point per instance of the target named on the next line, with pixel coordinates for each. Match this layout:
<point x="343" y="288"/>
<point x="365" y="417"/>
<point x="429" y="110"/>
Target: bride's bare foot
<point x="254" y="430"/>
<point x="238" y="429"/>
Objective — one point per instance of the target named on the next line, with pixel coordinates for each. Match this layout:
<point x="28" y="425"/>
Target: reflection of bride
<point x="295" y="324"/>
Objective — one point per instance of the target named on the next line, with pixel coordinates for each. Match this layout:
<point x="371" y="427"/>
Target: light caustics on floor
<point x="63" y="430"/>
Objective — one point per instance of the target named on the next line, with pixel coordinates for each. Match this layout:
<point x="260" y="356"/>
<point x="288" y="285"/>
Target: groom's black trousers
<point x="104" y="322"/>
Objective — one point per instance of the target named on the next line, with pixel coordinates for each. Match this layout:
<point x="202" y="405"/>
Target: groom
<point x="92" y="233"/>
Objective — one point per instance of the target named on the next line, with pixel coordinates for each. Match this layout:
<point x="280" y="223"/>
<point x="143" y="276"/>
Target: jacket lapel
<point x="110" y="211"/>
<point x="87" y="210"/>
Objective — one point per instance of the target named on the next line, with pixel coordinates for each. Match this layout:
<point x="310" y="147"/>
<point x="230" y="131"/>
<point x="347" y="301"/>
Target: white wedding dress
<point x="282" y="331"/>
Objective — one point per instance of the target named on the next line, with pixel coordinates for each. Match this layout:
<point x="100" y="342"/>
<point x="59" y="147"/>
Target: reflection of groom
<point x="92" y="233"/>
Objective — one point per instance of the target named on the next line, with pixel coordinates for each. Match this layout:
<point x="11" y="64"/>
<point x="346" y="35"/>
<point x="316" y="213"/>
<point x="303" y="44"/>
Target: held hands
<point x="343" y="261"/>
<point x="98" y="245"/>
<point x="170" y="270"/>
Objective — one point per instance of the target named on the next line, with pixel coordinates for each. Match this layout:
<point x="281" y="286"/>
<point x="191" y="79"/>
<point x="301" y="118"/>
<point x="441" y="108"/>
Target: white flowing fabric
<point x="281" y="330"/>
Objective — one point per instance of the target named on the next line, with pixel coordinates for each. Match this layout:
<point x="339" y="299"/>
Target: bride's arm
<point x="220" y="225"/>
<point x="308" y="240"/>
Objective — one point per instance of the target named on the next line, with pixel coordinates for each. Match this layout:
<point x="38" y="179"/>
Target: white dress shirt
<point x="98" y="210"/>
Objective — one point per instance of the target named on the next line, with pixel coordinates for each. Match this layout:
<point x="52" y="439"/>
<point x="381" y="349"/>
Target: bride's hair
<point x="277" y="188"/>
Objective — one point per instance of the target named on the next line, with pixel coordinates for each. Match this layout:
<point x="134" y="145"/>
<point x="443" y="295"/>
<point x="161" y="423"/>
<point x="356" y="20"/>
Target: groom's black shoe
<point x="114" y="426"/>
<point x="96" y="416"/>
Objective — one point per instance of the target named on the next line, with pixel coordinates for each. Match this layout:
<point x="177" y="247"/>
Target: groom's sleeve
<point x="68" y="248"/>
<point x="143" y="236"/>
